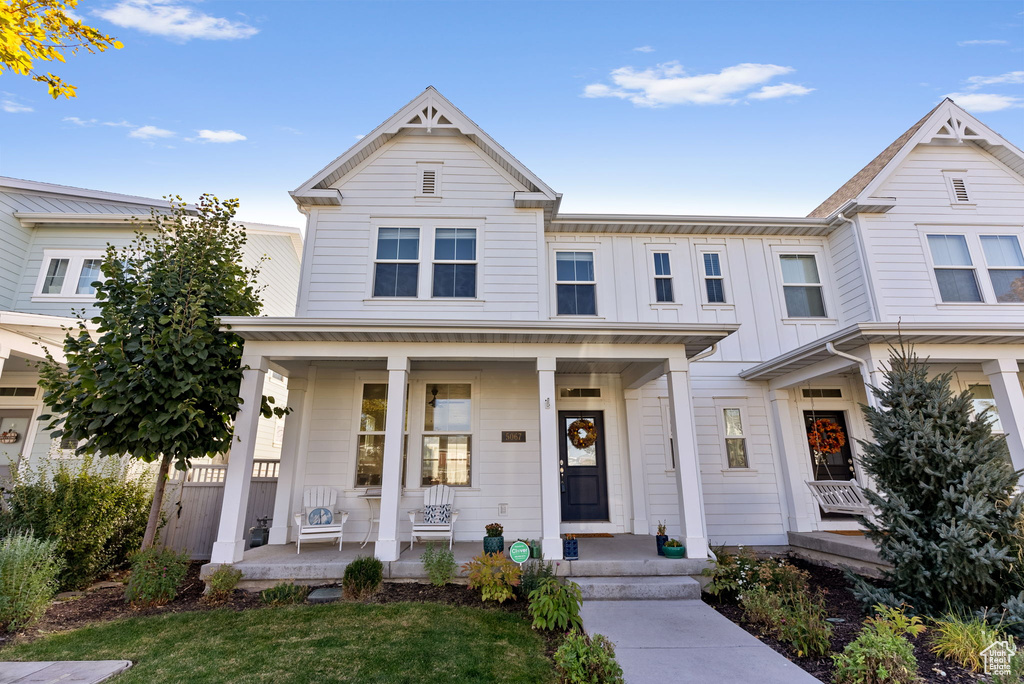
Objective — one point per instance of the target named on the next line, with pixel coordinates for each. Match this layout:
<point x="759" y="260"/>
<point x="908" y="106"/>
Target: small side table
<point x="371" y="495"/>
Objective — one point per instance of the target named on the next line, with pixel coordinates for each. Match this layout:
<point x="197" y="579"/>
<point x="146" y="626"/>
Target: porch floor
<point x="624" y="555"/>
<point x="856" y="551"/>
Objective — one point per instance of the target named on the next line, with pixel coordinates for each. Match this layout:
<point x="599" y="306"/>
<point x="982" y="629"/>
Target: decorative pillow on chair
<point x="438" y="514"/>
<point x="319" y="516"/>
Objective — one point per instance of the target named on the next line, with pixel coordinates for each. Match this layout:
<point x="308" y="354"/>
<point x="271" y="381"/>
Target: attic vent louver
<point x="960" y="190"/>
<point x="429" y="182"/>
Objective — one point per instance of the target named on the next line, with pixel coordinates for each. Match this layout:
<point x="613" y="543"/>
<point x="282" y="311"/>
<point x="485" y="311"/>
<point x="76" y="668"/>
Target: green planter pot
<point x="674" y="551"/>
<point x="494" y="544"/>
<point x="535" y="550"/>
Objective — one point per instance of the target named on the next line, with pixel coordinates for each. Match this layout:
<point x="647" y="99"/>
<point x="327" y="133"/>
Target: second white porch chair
<point x="838" y="496"/>
<point x="437" y="517"/>
<point x="319" y="520"/>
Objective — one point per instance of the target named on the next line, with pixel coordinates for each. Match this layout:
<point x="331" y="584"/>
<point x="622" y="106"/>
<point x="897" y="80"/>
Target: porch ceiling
<point x="861" y="334"/>
<point x="694" y="337"/>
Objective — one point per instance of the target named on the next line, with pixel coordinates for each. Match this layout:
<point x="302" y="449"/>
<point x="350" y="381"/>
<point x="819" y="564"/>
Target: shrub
<point x="534" y="572"/>
<point x="494" y="529"/>
<point x="94" y="509"/>
<point x="880" y="654"/>
<point x="795" y="617"/>
<point x="439" y="564"/>
<point x="284" y="594"/>
<point x="763" y="608"/>
<point x="29" y="570"/>
<point x="733" y="574"/>
<point x="221" y="583"/>
<point x="554" y="605"/>
<point x="582" y="659"/>
<point x="362" y="578"/>
<point x="156" y="574"/>
<point x="962" y="640"/>
<point x="494" y="575"/>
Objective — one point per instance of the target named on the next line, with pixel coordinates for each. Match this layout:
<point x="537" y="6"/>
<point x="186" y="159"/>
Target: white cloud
<point x="120" y="124"/>
<point x="966" y="43"/>
<point x="149" y="132"/>
<point x="172" y="19"/>
<point x="669" y="84"/>
<point x="986" y="102"/>
<point x="12" y="106"/>
<point x="225" y="136"/>
<point x="360" y="137"/>
<point x="643" y="48"/>
<point x="1009" y="78"/>
<point x="80" y="122"/>
<point x="781" y="90"/>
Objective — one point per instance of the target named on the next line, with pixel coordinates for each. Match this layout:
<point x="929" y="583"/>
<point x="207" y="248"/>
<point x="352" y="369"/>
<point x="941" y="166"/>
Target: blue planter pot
<point x="571" y="549"/>
<point x="660" y="540"/>
<point x="494" y="544"/>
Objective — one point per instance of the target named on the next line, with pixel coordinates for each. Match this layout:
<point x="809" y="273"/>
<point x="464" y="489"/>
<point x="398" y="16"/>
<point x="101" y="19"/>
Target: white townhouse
<point x="52" y="240"/>
<point x="584" y="373"/>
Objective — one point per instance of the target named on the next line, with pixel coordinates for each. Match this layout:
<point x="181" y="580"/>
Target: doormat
<point x="586" y="535"/>
<point x="847" y="533"/>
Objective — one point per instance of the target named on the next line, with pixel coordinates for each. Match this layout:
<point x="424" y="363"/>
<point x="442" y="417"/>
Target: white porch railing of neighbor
<point x="192" y="527"/>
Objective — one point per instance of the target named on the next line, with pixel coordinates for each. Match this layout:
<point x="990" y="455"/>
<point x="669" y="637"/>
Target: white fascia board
<point x="584" y="222"/>
<point x="52" y="188"/>
<point x="30" y="219"/>
<point x="18" y="318"/>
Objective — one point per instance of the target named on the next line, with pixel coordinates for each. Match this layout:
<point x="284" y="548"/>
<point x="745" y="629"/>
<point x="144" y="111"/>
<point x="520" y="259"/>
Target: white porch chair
<point x="319" y="520"/>
<point x="433" y="514"/>
<point x="838" y="496"/>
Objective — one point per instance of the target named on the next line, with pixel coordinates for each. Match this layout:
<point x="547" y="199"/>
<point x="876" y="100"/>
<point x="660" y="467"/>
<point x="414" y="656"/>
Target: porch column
<point x="299" y="469"/>
<point x="290" y="455"/>
<point x="388" y="547"/>
<point x="634" y="436"/>
<point x="231" y="534"/>
<point x="550" y="477"/>
<point x="688" y="485"/>
<point x="1002" y="374"/>
<point x="798" y="505"/>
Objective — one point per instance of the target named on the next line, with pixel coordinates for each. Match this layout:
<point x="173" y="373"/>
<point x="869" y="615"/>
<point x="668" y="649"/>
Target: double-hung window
<point x="447" y="438"/>
<point x="574" y="283"/>
<point x="1005" y="266"/>
<point x="954" y="270"/>
<point x="714" y="281"/>
<point x="455" y="262"/>
<point x="370" y="446"/>
<point x="397" y="268"/>
<point x="735" y="438"/>
<point x="69" y="274"/>
<point x="662" y="278"/>
<point x="801" y="286"/>
<point x="984" y="400"/>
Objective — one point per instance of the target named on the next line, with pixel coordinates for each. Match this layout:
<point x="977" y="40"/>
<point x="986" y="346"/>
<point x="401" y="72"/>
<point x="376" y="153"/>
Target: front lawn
<point x="398" y="642"/>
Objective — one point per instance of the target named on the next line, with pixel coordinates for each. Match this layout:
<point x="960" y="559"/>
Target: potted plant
<point x="494" y="542"/>
<point x="259" y="535"/>
<point x="570" y="547"/>
<point x="535" y="550"/>
<point x="661" y="537"/>
<point x="674" y="549"/>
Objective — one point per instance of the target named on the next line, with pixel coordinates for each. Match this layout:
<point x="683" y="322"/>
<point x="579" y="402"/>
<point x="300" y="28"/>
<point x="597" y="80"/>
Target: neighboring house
<point x="52" y="239"/>
<point x="452" y="324"/>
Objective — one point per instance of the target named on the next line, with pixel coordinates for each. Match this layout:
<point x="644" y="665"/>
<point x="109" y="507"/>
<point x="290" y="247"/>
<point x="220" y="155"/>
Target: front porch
<point x="621" y="555"/>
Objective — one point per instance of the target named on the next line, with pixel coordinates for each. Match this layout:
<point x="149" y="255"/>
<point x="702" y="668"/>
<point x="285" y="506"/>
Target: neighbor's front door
<point x="838" y="466"/>
<point x="13" y="422"/>
<point x="583" y="473"/>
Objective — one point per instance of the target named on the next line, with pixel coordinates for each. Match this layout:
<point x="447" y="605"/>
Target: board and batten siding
<point x="897" y="249"/>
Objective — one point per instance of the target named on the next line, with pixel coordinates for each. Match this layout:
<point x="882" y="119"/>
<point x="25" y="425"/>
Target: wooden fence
<point x="192" y="524"/>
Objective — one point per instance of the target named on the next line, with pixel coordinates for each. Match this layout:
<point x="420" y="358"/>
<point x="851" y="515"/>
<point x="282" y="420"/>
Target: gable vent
<point x="960" y="190"/>
<point x="429" y="182"/>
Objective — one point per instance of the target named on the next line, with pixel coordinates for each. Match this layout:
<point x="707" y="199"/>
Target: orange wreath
<point x="826" y="436"/>
<point x="582" y="441"/>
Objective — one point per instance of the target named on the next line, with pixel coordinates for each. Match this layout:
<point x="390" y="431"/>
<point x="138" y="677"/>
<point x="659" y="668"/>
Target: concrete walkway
<point x="683" y="642"/>
<point x="65" y="672"/>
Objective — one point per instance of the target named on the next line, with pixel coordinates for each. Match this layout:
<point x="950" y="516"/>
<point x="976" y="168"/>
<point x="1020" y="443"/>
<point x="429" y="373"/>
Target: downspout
<point x="704" y="354"/>
<point x="865" y="272"/>
<point x="864" y="372"/>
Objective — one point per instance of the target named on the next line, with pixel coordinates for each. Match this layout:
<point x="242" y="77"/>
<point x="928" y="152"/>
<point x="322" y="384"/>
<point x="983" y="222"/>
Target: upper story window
<point x="69" y="274"/>
<point x="447" y="438"/>
<point x="1005" y="266"/>
<point x="397" y="268"/>
<point x="954" y="270"/>
<point x="714" y="281"/>
<point x="802" y="286"/>
<point x="735" y="438"/>
<point x="662" y="278"/>
<point x="455" y="262"/>
<point x="574" y="283"/>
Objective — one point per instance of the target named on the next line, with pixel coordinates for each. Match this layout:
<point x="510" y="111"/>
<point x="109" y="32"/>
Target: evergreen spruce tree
<point x="948" y="517"/>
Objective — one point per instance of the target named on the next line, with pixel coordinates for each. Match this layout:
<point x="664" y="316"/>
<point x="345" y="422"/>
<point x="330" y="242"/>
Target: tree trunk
<point x="158" y="501"/>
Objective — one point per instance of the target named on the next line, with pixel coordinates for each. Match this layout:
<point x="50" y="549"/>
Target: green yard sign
<point x="519" y="552"/>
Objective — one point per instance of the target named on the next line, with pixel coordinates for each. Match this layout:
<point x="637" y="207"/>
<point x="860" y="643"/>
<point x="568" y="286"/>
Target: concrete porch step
<point x="638" y="588"/>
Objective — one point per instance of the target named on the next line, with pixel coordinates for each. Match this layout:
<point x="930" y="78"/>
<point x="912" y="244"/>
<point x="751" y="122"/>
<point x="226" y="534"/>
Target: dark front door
<point x="837" y="466"/>
<point x="583" y="472"/>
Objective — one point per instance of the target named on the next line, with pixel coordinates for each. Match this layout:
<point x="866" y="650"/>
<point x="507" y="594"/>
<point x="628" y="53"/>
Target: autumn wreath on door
<point x="582" y="433"/>
<point x="826" y="437"/>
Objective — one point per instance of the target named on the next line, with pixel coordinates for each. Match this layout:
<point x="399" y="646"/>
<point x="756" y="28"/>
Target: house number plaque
<point x="513" y="435"/>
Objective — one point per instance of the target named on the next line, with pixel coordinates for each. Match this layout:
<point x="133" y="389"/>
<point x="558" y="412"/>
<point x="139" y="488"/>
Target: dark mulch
<point x="842" y="604"/>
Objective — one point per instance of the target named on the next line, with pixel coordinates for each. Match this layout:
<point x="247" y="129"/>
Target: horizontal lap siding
<point x="279" y="273"/>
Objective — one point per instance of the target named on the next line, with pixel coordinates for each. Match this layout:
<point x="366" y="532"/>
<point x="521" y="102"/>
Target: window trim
<point x="361" y="380"/>
<point x="972" y="235"/>
<point x="418" y="261"/>
<point x="721" y="406"/>
<point x="416" y="412"/>
<point x="702" y="277"/>
<point x="824" y="267"/>
<point x="475" y="262"/>
<point x="989" y="269"/>
<point x="76" y="259"/>
<point x="554" y="266"/>
<point x="654" y="252"/>
<point x="423" y="433"/>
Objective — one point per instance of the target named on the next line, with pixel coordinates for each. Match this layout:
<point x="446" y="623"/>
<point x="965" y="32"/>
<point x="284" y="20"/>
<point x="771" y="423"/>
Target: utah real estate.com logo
<point x="997" y="657"/>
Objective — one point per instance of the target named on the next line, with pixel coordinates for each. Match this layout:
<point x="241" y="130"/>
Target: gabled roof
<point x="947" y="121"/>
<point x="429" y="110"/>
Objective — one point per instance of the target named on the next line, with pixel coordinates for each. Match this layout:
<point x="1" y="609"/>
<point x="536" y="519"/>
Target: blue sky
<point x="631" y="107"/>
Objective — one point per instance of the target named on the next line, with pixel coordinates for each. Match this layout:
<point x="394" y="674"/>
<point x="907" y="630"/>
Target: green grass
<point x="399" y="642"/>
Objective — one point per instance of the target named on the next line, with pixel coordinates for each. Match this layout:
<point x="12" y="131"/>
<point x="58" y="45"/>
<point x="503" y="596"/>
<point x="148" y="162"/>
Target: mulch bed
<point x="842" y="604"/>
